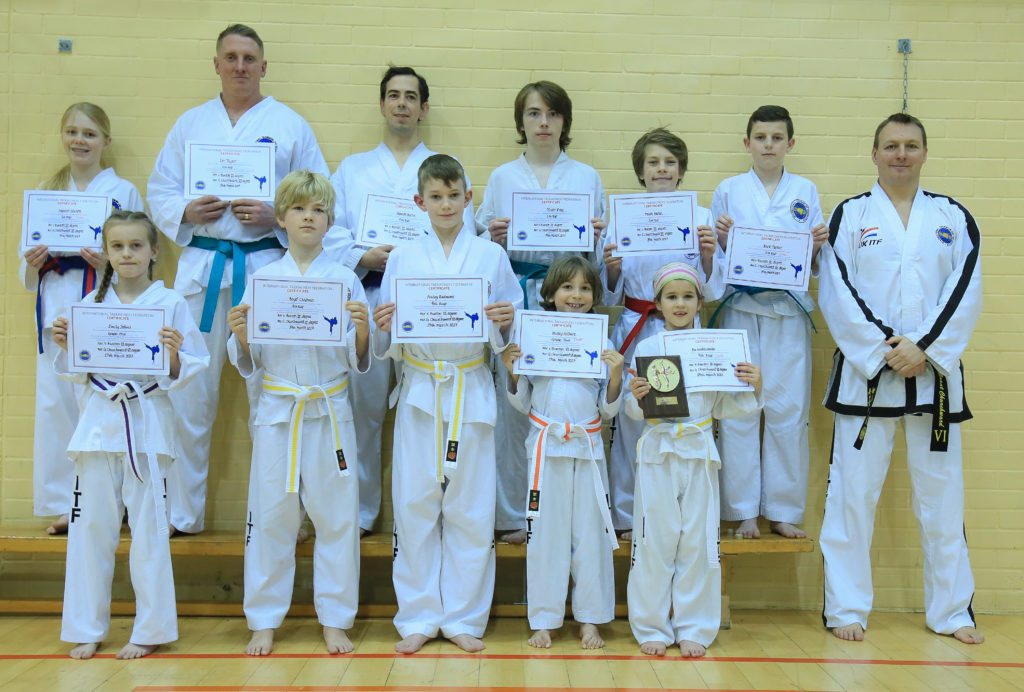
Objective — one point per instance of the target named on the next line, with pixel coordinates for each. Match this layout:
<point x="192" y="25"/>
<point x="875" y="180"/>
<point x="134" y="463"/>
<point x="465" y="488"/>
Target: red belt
<point x="642" y="307"/>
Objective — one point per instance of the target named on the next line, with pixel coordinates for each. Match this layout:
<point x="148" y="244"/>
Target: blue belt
<point x="61" y="265"/>
<point x="237" y="252"/>
<point x="528" y="270"/>
<point x="754" y="290"/>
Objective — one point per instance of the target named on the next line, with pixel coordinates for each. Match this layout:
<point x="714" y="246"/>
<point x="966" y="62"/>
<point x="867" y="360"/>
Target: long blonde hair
<point x="61" y="179"/>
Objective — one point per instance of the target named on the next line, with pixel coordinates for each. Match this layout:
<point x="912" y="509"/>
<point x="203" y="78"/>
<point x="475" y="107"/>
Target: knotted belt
<point x="566" y="431"/>
<point x="677" y="430"/>
<point x="61" y="265"/>
<point x="121" y="393"/>
<point x="300" y="394"/>
<point x="237" y="252"/>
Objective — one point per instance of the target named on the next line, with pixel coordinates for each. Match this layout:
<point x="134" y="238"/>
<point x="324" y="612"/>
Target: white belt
<point x="121" y="393"/>
<point x="301" y="394"/>
<point x="567" y="431"/>
<point x="677" y="430"/>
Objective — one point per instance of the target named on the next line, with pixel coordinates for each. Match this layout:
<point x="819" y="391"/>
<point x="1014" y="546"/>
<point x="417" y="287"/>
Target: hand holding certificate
<point x="230" y="171"/>
<point x="63" y="221"/>
<point x="297" y="311"/>
<point x="560" y="344"/>
<point x="649" y="224"/>
<point x="769" y="258"/>
<point x="551" y="221"/>
<point x="709" y="357"/>
<point x="391" y="221"/>
<point x="123" y="339"/>
<point x="447" y="309"/>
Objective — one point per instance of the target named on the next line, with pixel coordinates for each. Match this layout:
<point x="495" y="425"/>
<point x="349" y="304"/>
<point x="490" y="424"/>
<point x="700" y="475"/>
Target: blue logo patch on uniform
<point x="944" y="234"/>
<point x="738" y="269"/>
<point x="266" y="139"/>
<point x="264" y="327"/>
<point x="691" y="256"/>
<point x="869" y="237"/>
<point x="84" y="355"/>
<point x="407" y="326"/>
<point x="529" y="359"/>
<point x="200" y="185"/>
<point x="799" y="210"/>
<point x="371" y="233"/>
<point x="36" y="235"/>
<point x="115" y="204"/>
<point x="521" y="235"/>
<point x="626" y="241"/>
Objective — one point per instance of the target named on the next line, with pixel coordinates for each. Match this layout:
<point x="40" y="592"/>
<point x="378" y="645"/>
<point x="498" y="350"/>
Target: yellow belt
<point x="566" y="431"/>
<point x="301" y="394"/>
<point x="446" y="449"/>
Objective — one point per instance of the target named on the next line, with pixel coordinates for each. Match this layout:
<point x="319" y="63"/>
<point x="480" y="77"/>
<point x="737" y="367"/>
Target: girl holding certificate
<point x="659" y="161"/>
<point x="565" y="456"/>
<point x="675" y="583"/>
<point x="60" y="279"/>
<point x="122" y="448"/>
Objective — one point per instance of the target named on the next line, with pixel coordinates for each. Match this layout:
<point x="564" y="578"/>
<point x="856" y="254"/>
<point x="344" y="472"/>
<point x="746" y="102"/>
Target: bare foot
<point x="84" y="651"/>
<point x="688" y="649"/>
<point x="590" y="636"/>
<point x="130" y="651"/>
<point x="969" y="635"/>
<point x="653" y="648"/>
<point x="541" y="639"/>
<point x="58" y="527"/>
<point x="513" y="537"/>
<point x="302" y="535"/>
<point x="468" y="642"/>
<point x="337" y="641"/>
<point x="850" y="633"/>
<point x="787" y="530"/>
<point x="412" y="643"/>
<point x="626" y="536"/>
<point x="261" y="644"/>
<point x="748" y="529"/>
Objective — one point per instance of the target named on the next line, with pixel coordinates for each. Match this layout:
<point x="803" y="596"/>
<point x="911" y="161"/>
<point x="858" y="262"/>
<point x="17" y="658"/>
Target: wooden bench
<point x="230" y="544"/>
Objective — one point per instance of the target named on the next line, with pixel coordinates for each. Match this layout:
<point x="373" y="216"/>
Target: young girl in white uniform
<point x="565" y="456"/>
<point x="60" y="279"/>
<point x="675" y="583"/>
<point x="121" y="449"/>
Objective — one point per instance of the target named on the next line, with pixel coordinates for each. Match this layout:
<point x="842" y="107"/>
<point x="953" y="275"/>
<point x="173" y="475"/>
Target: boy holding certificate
<point x="304" y="441"/>
<point x="768" y="477"/>
<point x="444" y="500"/>
<point x="675" y="582"/>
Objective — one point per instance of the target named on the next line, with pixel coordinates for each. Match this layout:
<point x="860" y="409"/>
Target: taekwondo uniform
<point x="64" y="279"/>
<point x="769" y="478"/>
<point x="303" y="419"/>
<point x="213" y="266"/>
<point x="675" y="562"/>
<point x="567" y="175"/>
<point x="121" y="449"/>
<point x="374" y="172"/>
<point x="923" y="282"/>
<point x="573" y="534"/>
<point x="444" y="512"/>
<point x="636" y="322"/>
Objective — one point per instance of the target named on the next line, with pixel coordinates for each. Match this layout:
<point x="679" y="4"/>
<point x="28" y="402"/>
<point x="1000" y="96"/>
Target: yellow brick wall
<point x="697" y="67"/>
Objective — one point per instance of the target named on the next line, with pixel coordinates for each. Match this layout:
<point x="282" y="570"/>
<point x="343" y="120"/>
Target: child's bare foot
<point x="748" y="529"/>
<point x="590" y="636"/>
<point x="653" y="648"/>
<point x="412" y="643"/>
<point x="541" y="639"/>
<point x="787" y="530"/>
<point x="261" y="644"/>
<point x="337" y="641"/>
<point x="513" y="537"/>
<point x="84" y="651"/>
<point x="468" y="642"/>
<point x="130" y="651"/>
<point x="689" y="649"/>
<point x="302" y="535"/>
<point x="626" y="536"/>
<point x="850" y="633"/>
<point x="58" y="527"/>
<point x="969" y="635"/>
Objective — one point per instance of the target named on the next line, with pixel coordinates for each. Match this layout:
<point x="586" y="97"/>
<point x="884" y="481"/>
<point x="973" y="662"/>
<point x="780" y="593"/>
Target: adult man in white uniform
<point x="388" y="170"/>
<point x="224" y="241"/>
<point x="901" y="291"/>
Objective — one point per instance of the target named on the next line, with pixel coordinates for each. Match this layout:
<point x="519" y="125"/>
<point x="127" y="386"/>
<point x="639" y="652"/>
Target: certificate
<point x="649" y="224"/>
<point x="297" y="311"/>
<point x="63" y="221"/>
<point x="122" y="339"/>
<point x="709" y="357"/>
<point x="230" y="171"/>
<point x="551" y="221"/>
<point x="560" y="344"/>
<point x="439" y="309"/>
<point x="769" y="258"/>
<point x="391" y="221"/>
